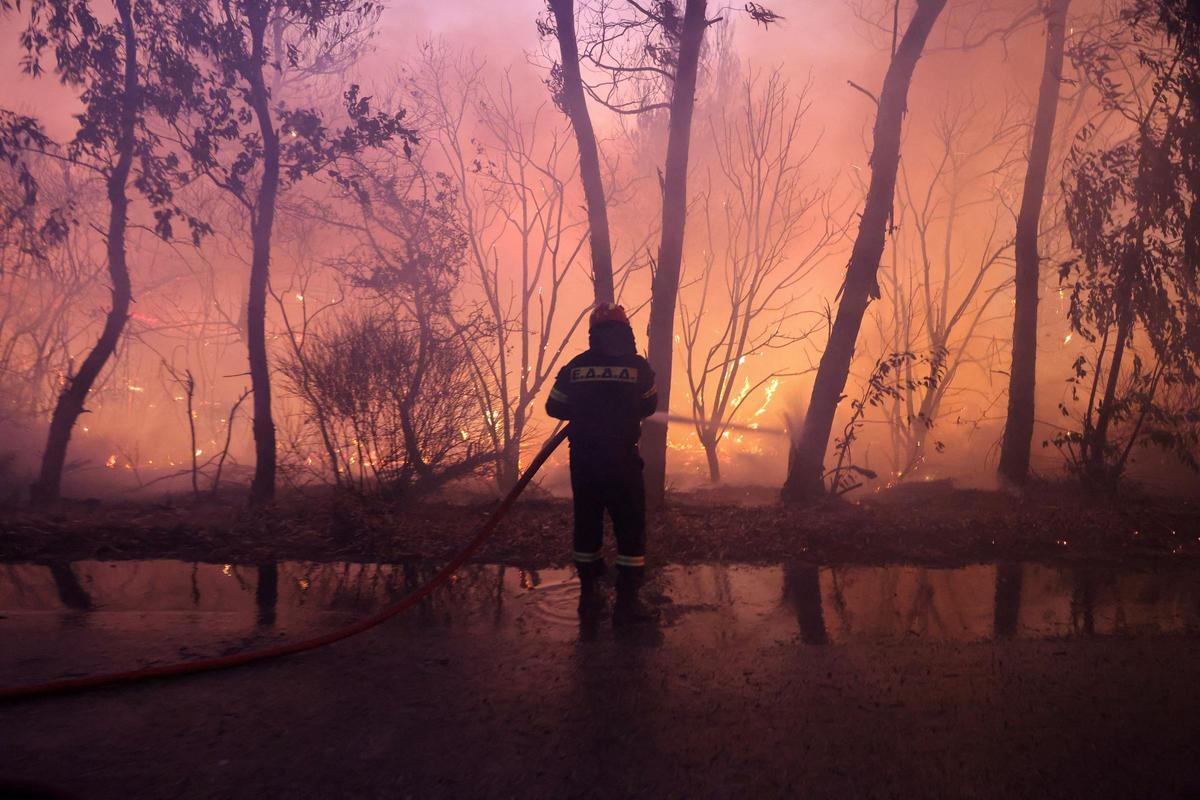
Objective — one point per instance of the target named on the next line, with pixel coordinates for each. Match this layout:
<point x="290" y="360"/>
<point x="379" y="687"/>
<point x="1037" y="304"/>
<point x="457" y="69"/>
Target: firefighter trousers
<point x="605" y="482"/>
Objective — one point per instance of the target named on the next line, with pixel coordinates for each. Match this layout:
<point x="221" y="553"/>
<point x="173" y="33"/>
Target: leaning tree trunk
<point x="262" y="488"/>
<point x="1096" y="469"/>
<point x="574" y="103"/>
<point x="71" y="401"/>
<point x="805" y="464"/>
<point x="665" y="288"/>
<point x="1018" y="429"/>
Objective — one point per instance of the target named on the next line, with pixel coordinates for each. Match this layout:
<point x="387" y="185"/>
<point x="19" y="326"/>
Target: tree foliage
<point x="1132" y="212"/>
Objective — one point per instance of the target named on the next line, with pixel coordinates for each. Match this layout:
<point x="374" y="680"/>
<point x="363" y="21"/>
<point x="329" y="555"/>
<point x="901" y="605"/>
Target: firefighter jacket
<point x="605" y="392"/>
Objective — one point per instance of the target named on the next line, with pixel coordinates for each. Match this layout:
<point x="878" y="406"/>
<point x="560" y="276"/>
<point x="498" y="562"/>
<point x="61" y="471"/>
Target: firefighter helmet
<point x="607" y="312"/>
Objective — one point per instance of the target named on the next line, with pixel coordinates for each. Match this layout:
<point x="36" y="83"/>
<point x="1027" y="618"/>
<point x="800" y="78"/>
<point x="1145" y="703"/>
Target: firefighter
<point x="605" y="393"/>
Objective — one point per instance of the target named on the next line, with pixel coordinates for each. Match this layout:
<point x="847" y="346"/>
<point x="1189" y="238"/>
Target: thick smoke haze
<point x="494" y="154"/>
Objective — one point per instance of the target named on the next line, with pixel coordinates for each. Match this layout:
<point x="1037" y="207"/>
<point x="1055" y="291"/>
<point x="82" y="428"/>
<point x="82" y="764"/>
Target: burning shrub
<point x="391" y="401"/>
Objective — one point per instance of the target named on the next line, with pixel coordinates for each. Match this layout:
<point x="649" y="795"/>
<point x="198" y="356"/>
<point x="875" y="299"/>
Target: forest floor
<point x="918" y="523"/>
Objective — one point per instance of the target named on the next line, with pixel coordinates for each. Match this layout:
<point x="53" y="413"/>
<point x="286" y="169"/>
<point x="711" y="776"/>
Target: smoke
<point x="965" y="137"/>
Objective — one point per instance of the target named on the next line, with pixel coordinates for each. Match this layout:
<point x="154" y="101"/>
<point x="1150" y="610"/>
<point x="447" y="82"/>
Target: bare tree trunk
<point x="805" y="471"/>
<point x="575" y="105"/>
<point x="189" y="387"/>
<point x="665" y="288"/>
<point x="262" y="488"/>
<point x="508" y="468"/>
<point x="1018" y="429"/>
<point x="714" y="463"/>
<point x="216" y="484"/>
<point x="1096" y="468"/>
<point x="71" y="400"/>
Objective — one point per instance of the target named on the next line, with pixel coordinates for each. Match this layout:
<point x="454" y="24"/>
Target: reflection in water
<point x="266" y="593"/>
<point x="708" y="603"/>
<point x="1008" y="599"/>
<point x="1083" y="601"/>
<point x="70" y="590"/>
<point x="802" y="589"/>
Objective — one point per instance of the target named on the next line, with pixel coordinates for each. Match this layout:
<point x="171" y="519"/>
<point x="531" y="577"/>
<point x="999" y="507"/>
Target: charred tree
<point x="665" y="286"/>
<point x="1018" y="429"/>
<point x="571" y="99"/>
<point x="805" y="479"/>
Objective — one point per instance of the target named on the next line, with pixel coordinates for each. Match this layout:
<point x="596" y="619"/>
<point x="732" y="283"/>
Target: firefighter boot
<point x="591" y="596"/>
<point x="630" y="608"/>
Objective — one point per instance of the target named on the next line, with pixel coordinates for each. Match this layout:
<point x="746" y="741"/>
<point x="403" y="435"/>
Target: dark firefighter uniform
<point x="604" y="393"/>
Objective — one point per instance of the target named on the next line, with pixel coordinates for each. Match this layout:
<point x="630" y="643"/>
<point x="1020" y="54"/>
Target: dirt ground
<point x="401" y="713"/>
<point x="917" y="523"/>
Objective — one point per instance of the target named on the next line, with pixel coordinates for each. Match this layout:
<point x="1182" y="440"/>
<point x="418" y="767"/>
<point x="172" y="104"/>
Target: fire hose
<point x="69" y="685"/>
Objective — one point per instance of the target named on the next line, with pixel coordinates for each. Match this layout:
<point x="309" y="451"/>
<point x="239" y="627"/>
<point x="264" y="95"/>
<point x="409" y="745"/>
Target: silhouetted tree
<point x="566" y="84"/>
<point x="647" y="58"/>
<point x="665" y="286"/>
<point x="511" y="174"/>
<point x="1018" y="427"/>
<point x="1134" y="218"/>
<point x="805" y="472"/>
<point x="127" y="77"/>
<point x="254" y="150"/>
<point x="773" y="226"/>
<point x="941" y="284"/>
<point x="46" y="270"/>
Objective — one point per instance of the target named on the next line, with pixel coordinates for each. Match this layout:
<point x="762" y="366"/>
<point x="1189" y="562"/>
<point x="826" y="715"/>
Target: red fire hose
<point x="225" y="662"/>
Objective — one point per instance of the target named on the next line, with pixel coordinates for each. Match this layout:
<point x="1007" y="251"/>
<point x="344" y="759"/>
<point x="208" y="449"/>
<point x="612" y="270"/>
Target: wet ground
<point x="989" y="680"/>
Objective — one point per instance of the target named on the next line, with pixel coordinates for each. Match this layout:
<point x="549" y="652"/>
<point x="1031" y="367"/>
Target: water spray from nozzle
<point x="664" y="416"/>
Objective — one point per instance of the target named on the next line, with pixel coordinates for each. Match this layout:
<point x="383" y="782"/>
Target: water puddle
<point x="88" y="616"/>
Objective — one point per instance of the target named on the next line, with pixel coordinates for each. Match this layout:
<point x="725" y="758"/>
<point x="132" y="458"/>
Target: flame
<point x="769" y="390"/>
